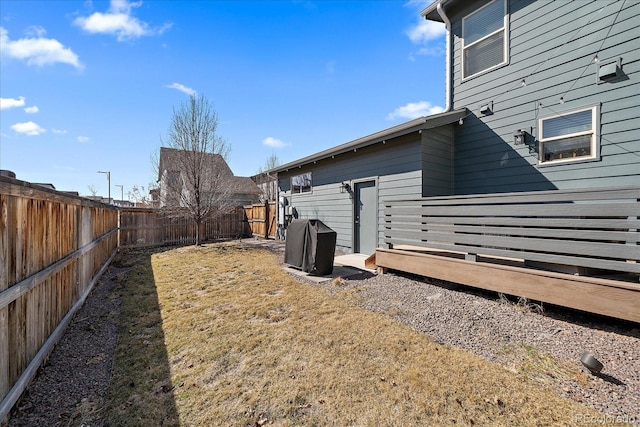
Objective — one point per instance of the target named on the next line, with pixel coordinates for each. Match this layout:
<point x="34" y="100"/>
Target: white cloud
<point x="83" y="139"/>
<point x="427" y="35"/>
<point x="37" y="50"/>
<point x="273" y="142"/>
<point x="182" y="88"/>
<point x="28" y="128"/>
<point x="6" y="103"/>
<point x="414" y="110"/>
<point x="36" y="31"/>
<point x="59" y="131"/>
<point x="118" y="21"/>
<point x="428" y="51"/>
<point x="31" y="110"/>
<point x="424" y="31"/>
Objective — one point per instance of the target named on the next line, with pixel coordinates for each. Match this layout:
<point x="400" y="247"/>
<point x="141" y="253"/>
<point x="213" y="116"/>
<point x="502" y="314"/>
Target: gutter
<point x="449" y="46"/>
<point x="447" y="84"/>
<point x="415" y="125"/>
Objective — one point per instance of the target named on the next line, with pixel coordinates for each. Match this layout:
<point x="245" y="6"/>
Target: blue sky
<point x="91" y="85"/>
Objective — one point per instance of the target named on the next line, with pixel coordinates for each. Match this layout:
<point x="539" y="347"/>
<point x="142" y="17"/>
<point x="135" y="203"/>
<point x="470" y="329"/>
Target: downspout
<point x="447" y="24"/>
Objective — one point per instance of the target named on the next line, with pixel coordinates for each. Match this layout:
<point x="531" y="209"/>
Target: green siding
<point x="437" y="161"/>
<point x="395" y="166"/>
<point x="555" y="57"/>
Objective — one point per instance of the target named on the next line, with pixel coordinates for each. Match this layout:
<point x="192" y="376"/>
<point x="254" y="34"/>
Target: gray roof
<point x="245" y="185"/>
<point x="170" y="160"/>
<point x="421" y="123"/>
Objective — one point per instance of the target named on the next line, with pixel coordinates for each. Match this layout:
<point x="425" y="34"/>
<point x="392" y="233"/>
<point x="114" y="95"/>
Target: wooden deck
<point x="611" y="297"/>
<point x="551" y="246"/>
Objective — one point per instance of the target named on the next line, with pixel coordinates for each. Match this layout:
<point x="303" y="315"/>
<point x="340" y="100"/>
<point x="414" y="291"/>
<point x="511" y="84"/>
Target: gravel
<point x="70" y="388"/>
<point x="513" y="332"/>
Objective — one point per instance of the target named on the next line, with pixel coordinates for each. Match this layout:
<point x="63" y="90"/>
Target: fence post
<point x="266" y="219"/>
<point x="4" y="283"/>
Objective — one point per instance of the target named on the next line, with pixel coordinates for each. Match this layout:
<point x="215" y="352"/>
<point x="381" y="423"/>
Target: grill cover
<point x="310" y="246"/>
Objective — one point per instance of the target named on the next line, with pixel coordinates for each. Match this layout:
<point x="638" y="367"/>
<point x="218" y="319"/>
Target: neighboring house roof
<point x="245" y="185"/>
<point x="170" y="160"/>
<point x="45" y="185"/>
<point x="421" y="123"/>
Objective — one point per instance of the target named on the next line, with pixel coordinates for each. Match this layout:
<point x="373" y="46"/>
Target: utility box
<point x="310" y="246"/>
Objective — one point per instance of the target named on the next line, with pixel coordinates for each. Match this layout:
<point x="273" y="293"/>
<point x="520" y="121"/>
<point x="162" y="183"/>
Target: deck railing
<point x="585" y="229"/>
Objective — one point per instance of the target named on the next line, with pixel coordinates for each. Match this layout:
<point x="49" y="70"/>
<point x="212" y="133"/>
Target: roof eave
<point x="421" y="123"/>
<point x="430" y="12"/>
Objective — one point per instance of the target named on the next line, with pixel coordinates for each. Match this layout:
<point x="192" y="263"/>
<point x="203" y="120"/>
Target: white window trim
<point x="594" y="132"/>
<point x="505" y="51"/>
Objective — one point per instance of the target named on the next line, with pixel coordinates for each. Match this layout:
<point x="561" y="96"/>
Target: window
<point x="301" y="183"/>
<point x="484" y="39"/>
<point x="569" y="136"/>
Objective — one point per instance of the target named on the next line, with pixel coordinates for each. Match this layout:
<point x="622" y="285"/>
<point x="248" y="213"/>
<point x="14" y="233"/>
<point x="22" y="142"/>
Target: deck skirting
<point x="615" y="298"/>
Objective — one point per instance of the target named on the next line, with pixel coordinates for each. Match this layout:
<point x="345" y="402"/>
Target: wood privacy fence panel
<point x="53" y="247"/>
<point x="595" y="229"/>
<point x="262" y="219"/>
<point x="151" y="227"/>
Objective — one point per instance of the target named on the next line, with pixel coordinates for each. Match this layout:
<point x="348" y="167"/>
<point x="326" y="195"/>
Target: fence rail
<point x="586" y="229"/>
<point x="262" y="219"/>
<point x="53" y="248"/>
<point x="151" y="227"/>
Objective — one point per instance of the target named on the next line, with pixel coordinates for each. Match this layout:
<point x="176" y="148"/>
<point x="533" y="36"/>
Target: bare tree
<point x="195" y="178"/>
<point x="266" y="181"/>
<point x="92" y="189"/>
<point x="142" y="196"/>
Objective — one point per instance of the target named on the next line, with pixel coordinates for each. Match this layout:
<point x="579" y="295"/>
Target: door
<point x="366" y="217"/>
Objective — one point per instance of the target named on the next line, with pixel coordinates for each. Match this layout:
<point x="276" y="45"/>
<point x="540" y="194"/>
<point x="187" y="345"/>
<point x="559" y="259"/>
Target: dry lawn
<point x="221" y="336"/>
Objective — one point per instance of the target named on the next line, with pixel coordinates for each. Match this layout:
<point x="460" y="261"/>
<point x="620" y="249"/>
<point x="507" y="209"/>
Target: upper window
<point x="301" y="183"/>
<point x="484" y="39"/>
<point x="569" y="136"/>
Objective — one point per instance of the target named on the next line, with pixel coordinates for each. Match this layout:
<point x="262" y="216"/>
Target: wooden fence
<point x="150" y="227"/>
<point x="262" y="219"/>
<point x="53" y="248"/>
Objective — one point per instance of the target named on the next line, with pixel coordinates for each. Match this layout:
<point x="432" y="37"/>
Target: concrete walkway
<point x="353" y="260"/>
<point x="343" y="265"/>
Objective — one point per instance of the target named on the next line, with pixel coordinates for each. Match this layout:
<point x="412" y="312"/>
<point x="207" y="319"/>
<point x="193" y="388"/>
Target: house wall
<point x="395" y="166"/>
<point x="437" y="161"/>
<point x="551" y="46"/>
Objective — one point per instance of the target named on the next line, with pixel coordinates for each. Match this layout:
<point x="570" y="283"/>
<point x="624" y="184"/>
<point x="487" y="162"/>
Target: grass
<point x="220" y="335"/>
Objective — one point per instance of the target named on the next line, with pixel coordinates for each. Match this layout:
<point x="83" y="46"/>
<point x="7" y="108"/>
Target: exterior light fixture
<point x="345" y="187"/>
<point x="591" y="363"/>
<point x="519" y="137"/>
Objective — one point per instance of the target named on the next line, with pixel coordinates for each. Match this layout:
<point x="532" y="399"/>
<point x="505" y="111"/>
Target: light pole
<point x="108" y="173"/>
<point x="121" y="192"/>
